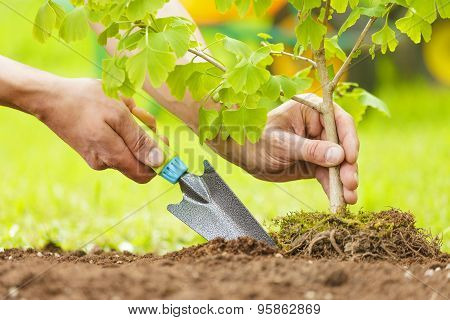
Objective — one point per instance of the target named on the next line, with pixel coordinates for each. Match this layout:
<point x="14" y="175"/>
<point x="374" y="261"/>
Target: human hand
<point x="102" y="130"/>
<point x="293" y="147"/>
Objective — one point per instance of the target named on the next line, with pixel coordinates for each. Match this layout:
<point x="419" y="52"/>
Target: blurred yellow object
<point x="204" y="12"/>
<point x="437" y="53"/>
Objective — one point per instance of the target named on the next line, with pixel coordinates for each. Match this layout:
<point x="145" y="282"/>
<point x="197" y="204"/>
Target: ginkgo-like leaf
<point x="261" y="6"/>
<point x="332" y="49"/>
<point x="305" y="6"/>
<point x="223" y="5"/>
<point x="310" y="32"/>
<point x="385" y="38"/>
<point x="415" y="27"/>
<point x="113" y="77"/>
<point x="209" y="123"/>
<point x="137" y="68"/>
<point x="44" y="22"/>
<point x="244" y="123"/>
<point x="138" y="9"/>
<point x="75" y="25"/>
<point x="352" y="18"/>
<point x="176" y="33"/>
<point x="247" y="77"/>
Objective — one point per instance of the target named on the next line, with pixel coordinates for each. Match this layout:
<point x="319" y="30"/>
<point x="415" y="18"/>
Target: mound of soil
<point x="386" y="235"/>
<point x="238" y="269"/>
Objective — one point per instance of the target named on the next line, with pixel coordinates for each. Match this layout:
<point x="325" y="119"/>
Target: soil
<point x="238" y="269"/>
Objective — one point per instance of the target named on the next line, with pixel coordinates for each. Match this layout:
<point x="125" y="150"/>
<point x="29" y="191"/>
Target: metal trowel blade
<point x="210" y="208"/>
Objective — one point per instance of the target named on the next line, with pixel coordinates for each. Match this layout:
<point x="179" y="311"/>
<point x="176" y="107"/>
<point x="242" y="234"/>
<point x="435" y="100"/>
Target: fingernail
<point x="356" y="177"/>
<point x="333" y="155"/>
<point x="155" y="157"/>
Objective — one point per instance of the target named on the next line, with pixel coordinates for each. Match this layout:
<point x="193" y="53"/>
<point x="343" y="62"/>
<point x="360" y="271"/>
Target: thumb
<point x="322" y="153"/>
<point x="144" y="148"/>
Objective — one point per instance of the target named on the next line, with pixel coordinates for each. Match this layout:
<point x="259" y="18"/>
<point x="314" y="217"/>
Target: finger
<point x="322" y="153"/>
<point x="347" y="134"/>
<point x="349" y="175"/>
<point x="323" y="178"/>
<point x="145" y="117"/>
<point x="350" y="196"/>
<point x="138" y="142"/>
<point x="119" y="157"/>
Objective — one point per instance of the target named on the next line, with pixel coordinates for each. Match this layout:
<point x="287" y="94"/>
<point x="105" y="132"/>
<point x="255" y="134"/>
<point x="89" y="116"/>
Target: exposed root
<point x="388" y="234"/>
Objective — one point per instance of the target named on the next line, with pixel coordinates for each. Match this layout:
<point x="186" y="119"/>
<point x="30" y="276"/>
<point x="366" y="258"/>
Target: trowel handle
<point x="172" y="168"/>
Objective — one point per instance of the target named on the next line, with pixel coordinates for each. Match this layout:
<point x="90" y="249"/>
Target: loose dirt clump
<point x="242" y="246"/>
<point x="387" y="235"/>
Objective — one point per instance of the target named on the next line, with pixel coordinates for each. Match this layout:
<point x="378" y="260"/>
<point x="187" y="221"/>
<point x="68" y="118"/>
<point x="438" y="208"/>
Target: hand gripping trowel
<point x="209" y="207"/>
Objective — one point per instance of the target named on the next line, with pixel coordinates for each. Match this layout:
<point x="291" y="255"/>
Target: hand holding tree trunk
<point x="241" y="84"/>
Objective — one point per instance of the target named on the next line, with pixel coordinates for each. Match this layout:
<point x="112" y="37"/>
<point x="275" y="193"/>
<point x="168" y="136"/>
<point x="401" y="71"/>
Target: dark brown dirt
<point x="239" y="269"/>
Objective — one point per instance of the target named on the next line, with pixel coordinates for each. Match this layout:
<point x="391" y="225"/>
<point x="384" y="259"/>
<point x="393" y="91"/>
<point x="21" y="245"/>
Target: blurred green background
<point x="48" y="193"/>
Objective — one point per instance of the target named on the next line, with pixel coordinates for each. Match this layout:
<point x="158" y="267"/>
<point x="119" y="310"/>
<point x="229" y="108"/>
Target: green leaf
<point x="262" y="56"/>
<point x="310" y="32"/>
<point x="246" y="77"/>
<point x="385" y="38"/>
<point x="305" y="6"/>
<point x="264" y="36"/>
<point x="242" y="6"/>
<point x="332" y="49"/>
<point x="137" y="68"/>
<point x="131" y="41"/>
<point x="339" y="5"/>
<point x="426" y="9"/>
<point x="415" y="27"/>
<point x="44" y="23"/>
<point x="60" y="13"/>
<point x="372" y="8"/>
<point x="201" y="82"/>
<point x="223" y="5"/>
<point x="75" y="25"/>
<point x="138" y="9"/>
<point x="177" y="33"/>
<point x="352" y="18"/>
<point x="236" y="47"/>
<point x="261" y="6"/>
<point x="209" y="123"/>
<point x="302" y="80"/>
<point x="244" y="123"/>
<point x="370" y="100"/>
<point x="199" y="78"/>
<point x="113" y="77"/>
<point x="443" y="7"/>
<point x="352" y="105"/>
<point x="356" y="100"/>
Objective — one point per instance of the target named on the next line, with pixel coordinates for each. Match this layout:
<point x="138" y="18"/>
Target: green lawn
<point x="48" y="193"/>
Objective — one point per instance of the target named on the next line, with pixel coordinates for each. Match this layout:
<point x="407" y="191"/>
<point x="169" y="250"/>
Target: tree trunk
<point x="337" y="203"/>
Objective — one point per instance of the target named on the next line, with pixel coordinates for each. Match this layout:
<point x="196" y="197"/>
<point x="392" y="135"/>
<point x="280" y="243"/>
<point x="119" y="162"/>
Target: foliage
<point x="148" y="44"/>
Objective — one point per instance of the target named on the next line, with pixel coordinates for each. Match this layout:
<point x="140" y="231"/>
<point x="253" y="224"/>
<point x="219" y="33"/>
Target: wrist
<point x="37" y="94"/>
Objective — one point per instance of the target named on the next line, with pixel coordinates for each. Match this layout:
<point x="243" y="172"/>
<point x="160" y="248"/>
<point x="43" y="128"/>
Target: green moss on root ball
<point x="387" y="234"/>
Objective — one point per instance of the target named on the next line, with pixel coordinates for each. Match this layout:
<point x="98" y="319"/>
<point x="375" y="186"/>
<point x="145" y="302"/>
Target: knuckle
<point x="312" y="150"/>
<point x="142" y="143"/>
<point x="95" y="163"/>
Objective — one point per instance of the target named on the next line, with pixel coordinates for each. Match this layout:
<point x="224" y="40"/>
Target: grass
<point x="48" y="193"/>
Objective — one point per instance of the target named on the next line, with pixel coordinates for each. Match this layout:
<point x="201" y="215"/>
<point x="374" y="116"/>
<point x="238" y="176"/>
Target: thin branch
<point x="217" y="64"/>
<point x="349" y="59"/>
<point x="293" y="56"/>
<point x="209" y="59"/>
<point x="308" y="103"/>
<point x="327" y="12"/>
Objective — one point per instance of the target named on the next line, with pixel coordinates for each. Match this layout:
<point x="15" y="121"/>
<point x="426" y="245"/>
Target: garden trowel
<point x="209" y="207"/>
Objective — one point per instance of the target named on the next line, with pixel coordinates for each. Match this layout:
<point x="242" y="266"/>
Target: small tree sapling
<point x="148" y="44"/>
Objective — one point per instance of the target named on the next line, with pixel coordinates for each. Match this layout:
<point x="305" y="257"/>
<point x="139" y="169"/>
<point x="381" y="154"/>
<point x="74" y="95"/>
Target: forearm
<point x="25" y="88"/>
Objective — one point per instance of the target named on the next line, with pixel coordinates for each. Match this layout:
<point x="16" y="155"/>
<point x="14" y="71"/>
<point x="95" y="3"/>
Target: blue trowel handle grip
<point x="173" y="170"/>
